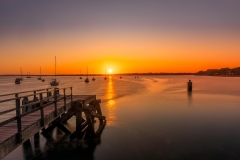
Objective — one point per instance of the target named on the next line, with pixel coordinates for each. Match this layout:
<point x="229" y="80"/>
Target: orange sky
<point x="107" y="42"/>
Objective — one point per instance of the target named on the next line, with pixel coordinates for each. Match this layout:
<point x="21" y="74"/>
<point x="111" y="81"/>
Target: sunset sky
<point x="125" y="35"/>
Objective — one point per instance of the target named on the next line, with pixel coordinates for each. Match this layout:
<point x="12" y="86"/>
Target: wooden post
<point x="36" y="136"/>
<point x="55" y="102"/>
<point x="64" y="92"/>
<point x="34" y="98"/>
<point x="47" y="94"/>
<point x="41" y="110"/>
<point x="189" y="86"/>
<point x="34" y="92"/>
<point x="97" y="108"/>
<point x="78" y="106"/>
<point x="89" y="122"/>
<point x="18" y="116"/>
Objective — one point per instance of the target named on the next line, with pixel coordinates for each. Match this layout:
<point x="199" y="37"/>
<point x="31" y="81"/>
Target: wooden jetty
<point x="50" y="108"/>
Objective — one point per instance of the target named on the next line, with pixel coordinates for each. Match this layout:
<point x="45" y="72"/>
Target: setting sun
<point x="109" y="70"/>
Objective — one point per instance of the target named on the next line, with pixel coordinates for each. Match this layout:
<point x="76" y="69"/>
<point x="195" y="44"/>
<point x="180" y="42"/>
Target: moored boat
<point x="17" y="81"/>
<point x="54" y="81"/>
<point x="87" y="80"/>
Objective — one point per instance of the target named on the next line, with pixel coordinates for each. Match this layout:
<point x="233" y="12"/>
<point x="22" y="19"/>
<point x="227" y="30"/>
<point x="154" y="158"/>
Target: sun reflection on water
<point x="111" y="104"/>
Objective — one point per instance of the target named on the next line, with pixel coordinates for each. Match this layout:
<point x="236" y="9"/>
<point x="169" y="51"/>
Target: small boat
<point x="80" y="74"/>
<point x="93" y="79"/>
<point x="120" y="77"/>
<point x="43" y="80"/>
<point x="17" y="81"/>
<point x="40" y="78"/>
<point x="54" y="81"/>
<point x="105" y="78"/>
<point x="87" y="80"/>
<point x="28" y="75"/>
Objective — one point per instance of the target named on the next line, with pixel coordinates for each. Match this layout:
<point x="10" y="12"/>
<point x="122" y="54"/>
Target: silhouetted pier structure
<point x="50" y="108"/>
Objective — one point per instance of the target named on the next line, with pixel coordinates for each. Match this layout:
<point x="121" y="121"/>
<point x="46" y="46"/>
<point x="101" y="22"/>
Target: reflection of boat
<point x="80" y="75"/>
<point x="87" y="80"/>
<point x="105" y="75"/>
<point x="40" y="78"/>
<point x="93" y="79"/>
<point x="54" y="81"/>
<point x="17" y="81"/>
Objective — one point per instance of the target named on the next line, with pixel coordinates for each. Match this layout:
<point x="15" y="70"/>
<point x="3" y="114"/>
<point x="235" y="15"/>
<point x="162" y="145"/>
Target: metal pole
<point x="18" y="116"/>
<point x="41" y="110"/>
<point x="55" y="101"/>
<point x="71" y="96"/>
<point x="65" y="105"/>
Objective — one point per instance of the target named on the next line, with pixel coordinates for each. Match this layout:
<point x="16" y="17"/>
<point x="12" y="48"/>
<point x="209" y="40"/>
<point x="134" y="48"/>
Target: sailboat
<point x="87" y="80"/>
<point x="17" y="81"/>
<point x="105" y="75"/>
<point x="40" y="78"/>
<point x="93" y="79"/>
<point x="80" y="75"/>
<point x="120" y="75"/>
<point x="54" y="81"/>
<point x="28" y="75"/>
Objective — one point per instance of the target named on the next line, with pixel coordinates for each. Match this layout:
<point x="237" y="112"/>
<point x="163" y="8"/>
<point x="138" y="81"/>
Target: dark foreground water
<point x="150" y="117"/>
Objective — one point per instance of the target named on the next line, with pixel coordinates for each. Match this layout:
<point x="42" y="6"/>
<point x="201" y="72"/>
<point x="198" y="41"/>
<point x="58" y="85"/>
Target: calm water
<point x="150" y="117"/>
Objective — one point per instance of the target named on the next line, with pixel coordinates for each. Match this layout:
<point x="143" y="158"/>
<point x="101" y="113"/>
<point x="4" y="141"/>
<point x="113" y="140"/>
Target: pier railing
<point x="41" y="99"/>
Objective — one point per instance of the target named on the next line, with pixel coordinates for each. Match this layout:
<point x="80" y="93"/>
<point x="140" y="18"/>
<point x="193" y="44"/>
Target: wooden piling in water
<point x="189" y="86"/>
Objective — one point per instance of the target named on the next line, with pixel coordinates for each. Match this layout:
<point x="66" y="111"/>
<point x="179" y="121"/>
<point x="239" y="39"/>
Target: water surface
<point x="150" y="117"/>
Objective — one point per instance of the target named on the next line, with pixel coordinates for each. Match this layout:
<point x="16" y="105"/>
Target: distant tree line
<point x="221" y="72"/>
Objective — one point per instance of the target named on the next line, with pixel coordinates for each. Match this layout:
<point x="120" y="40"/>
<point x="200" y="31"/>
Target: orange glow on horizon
<point x="133" y="53"/>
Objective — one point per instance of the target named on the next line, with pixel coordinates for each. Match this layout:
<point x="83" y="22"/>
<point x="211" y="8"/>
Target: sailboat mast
<point x="87" y="72"/>
<point x="21" y="72"/>
<point x="55" y="67"/>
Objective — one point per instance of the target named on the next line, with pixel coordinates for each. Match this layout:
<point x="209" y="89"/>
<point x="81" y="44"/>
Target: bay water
<point x="149" y="117"/>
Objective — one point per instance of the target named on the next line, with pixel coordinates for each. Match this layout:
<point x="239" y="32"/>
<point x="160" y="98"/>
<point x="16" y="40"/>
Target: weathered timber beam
<point x="89" y="122"/>
<point x="52" y="126"/>
<point x="98" y="115"/>
<point x="84" y="127"/>
<point x="97" y="107"/>
<point x="57" y="122"/>
<point x="63" y="128"/>
<point x="100" y="129"/>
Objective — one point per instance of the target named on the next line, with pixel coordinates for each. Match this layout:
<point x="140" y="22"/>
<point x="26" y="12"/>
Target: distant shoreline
<point x="124" y="74"/>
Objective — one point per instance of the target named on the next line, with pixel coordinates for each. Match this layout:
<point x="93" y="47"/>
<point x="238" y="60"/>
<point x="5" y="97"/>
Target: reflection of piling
<point x="189" y="86"/>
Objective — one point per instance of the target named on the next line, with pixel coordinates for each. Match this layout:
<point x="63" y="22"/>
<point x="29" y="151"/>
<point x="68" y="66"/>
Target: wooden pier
<point x="50" y="108"/>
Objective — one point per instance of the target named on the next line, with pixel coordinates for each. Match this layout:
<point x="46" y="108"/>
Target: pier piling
<point x="189" y="86"/>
